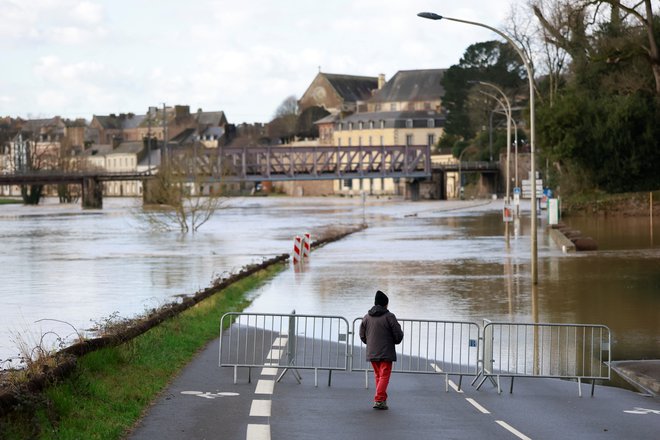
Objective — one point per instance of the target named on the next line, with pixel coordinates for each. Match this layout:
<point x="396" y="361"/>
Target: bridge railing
<point x="569" y="351"/>
<point x="318" y="162"/>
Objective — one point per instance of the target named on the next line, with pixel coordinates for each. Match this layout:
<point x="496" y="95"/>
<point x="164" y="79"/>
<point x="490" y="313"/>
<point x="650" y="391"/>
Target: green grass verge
<point x="10" y="201"/>
<point x="112" y="387"/>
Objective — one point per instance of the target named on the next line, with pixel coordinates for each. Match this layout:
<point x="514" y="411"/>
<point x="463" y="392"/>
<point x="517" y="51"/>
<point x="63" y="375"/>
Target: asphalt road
<point x="204" y="403"/>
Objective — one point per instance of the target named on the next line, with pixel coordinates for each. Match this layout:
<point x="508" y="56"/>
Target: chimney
<point x="181" y="111"/>
<point x="381" y="81"/>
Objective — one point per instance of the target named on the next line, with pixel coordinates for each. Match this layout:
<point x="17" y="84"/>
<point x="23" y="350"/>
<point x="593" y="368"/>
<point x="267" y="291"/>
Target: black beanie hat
<point x="381" y="299"/>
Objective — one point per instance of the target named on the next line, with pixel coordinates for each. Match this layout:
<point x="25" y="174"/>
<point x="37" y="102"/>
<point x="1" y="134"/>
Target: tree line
<point x="597" y="89"/>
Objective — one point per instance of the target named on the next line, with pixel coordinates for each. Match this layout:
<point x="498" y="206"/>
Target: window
<point x="430" y="123"/>
<point x="393" y="106"/>
<point x="427" y="106"/>
<point x="377" y="107"/>
<point x="382" y="124"/>
<point x="371" y="125"/>
<point x="409" y="123"/>
<point x="409" y="139"/>
<point x="360" y="125"/>
<point x="350" y="126"/>
<point x="430" y="140"/>
<point x="339" y="126"/>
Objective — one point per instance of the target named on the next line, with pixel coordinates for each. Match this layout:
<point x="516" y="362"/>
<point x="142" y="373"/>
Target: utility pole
<point x="165" y="149"/>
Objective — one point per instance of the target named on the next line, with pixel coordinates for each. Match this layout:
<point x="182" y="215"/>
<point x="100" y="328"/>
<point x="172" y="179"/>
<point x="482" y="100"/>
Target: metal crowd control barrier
<point x="569" y="351"/>
<point x="290" y="341"/>
<point x="428" y="347"/>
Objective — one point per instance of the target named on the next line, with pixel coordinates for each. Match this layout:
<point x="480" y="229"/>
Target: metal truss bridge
<point x="272" y="163"/>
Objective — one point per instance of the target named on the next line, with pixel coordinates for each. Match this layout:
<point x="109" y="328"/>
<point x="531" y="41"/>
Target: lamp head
<point x="430" y="15"/>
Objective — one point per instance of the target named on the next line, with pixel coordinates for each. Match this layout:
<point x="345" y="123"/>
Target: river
<point x="64" y="268"/>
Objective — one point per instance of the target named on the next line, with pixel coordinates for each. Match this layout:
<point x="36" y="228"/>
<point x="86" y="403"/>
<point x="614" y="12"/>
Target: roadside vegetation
<point x="10" y="201"/>
<point x="110" y="389"/>
<point x="597" y="87"/>
<point x="636" y="204"/>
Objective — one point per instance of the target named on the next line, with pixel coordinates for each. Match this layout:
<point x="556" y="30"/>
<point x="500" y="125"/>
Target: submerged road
<point x="204" y="403"/>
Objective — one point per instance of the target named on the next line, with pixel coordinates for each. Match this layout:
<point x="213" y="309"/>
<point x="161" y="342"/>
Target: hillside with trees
<point x="597" y="84"/>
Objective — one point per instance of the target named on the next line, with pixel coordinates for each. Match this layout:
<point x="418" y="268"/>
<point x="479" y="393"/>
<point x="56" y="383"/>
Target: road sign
<point x="527" y="189"/>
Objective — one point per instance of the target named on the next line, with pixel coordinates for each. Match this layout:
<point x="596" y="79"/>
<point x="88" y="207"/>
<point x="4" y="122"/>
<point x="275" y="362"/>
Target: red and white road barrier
<point x="297" y="250"/>
<point x="306" y="244"/>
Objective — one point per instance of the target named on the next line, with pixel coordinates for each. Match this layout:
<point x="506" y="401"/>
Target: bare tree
<point x="572" y="26"/>
<point x="180" y="196"/>
<point x="641" y="11"/>
<point x="549" y="60"/>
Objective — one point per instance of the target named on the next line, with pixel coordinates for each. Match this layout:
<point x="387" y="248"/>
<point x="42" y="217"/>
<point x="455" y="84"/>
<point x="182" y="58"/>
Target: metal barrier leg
<point x="316" y="377"/>
<point x="499" y="389"/>
<point x="329" y="377"/>
<point x="295" y="373"/>
<point x="511" y="389"/>
<point x="482" y="382"/>
<point x="579" y="387"/>
<point x="593" y="386"/>
<point x="460" y="380"/>
<point x="446" y="383"/>
<point x="476" y="378"/>
<point x="366" y="379"/>
<point x="235" y="374"/>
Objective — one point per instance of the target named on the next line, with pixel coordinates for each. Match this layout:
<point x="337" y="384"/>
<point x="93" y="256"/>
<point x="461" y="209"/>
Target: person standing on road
<point x="381" y="331"/>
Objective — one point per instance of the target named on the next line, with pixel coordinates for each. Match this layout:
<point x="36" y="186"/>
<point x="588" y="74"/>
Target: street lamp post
<point x="460" y="161"/>
<point x="530" y="77"/>
<point x="506" y="106"/>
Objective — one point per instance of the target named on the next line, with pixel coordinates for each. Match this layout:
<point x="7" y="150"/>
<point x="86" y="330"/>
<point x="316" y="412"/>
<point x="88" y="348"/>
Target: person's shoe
<point x="380" y="405"/>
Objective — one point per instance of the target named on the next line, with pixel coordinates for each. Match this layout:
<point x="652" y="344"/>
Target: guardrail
<point x="456" y="348"/>
<point x="428" y="347"/>
<point x="568" y="351"/>
<point x="291" y="341"/>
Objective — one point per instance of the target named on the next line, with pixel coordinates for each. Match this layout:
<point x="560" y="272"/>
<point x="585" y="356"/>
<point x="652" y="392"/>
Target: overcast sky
<point x="77" y="58"/>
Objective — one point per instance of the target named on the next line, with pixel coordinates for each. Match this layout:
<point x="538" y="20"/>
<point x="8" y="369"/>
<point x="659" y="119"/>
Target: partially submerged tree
<point x="180" y="195"/>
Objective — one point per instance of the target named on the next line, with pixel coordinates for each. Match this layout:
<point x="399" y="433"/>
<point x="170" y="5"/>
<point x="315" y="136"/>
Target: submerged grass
<point x="112" y="387"/>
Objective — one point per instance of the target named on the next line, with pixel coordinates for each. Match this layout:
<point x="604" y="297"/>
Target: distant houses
<point x="370" y="111"/>
<point x="336" y="109"/>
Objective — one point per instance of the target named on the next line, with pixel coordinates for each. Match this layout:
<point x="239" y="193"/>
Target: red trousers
<point x="382" y="372"/>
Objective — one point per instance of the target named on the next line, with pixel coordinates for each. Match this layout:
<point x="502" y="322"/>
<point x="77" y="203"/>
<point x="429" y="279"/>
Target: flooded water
<point x="63" y="268"/>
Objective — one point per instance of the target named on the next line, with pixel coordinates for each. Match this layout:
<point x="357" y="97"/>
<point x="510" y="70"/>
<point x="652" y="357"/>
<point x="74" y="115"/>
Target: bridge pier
<point x="92" y="193"/>
<point x="412" y="189"/>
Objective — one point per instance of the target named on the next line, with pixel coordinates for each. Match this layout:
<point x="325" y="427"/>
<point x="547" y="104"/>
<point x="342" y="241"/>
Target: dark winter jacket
<point x="380" y="331"/>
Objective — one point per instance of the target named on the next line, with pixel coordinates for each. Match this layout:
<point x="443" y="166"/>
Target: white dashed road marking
<point x="265" y="387"/>
<point x="512" y="430"/>
<point x="483" y="410"/>
<point x="476" y="405"/>
<point x="258" y="432"/>
<point x="451" y="382"/>
<point x="260" y="408"/>
<point x="269" y="372"/>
